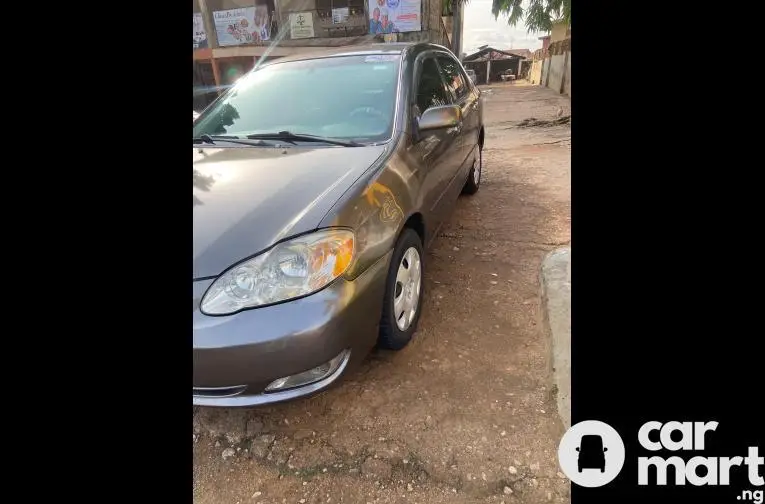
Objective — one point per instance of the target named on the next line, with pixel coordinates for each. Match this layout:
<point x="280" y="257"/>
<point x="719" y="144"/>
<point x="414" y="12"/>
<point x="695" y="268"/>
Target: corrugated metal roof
<point x="500" y="54"/>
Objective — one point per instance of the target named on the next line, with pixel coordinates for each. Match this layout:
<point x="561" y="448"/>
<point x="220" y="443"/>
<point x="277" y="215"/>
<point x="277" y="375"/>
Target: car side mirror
<point x="605" y="449"/>
<point x="441" y="117"/>
<point x="577" y="448"/>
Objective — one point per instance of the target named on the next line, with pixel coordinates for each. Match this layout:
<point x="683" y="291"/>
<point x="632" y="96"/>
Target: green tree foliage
<point x="538" y="15"/>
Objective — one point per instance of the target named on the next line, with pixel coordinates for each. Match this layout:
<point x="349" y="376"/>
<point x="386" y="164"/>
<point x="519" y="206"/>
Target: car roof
<point x="391" y="48"/>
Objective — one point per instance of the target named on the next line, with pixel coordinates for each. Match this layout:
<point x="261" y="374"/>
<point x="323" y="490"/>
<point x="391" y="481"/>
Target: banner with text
<point x="394" y="16"/>
<point x="245" y="25"/>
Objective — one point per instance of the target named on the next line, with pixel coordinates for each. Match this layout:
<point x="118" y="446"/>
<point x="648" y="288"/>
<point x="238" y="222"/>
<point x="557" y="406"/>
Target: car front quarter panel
<point x="377" y="206"/>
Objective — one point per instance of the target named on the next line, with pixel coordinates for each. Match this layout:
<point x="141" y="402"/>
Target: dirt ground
<point x="466" y="413"/>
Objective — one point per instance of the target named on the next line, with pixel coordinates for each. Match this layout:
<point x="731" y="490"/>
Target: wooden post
<point x="216" y="72"/>
<point x="212" y="38"/>
<point x="456" y="27"/>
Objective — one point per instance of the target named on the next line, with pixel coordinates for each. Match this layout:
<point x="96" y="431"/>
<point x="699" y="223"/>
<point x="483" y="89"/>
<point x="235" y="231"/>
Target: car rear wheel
<point x="474" y="179"/>
<point x="403" y="293"/>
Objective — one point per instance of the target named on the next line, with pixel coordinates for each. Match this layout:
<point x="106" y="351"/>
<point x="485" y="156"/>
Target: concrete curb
<point x="555" y="280"/>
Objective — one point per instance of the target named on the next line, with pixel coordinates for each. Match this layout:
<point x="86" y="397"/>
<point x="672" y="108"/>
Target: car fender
<point x="376" y="207"/>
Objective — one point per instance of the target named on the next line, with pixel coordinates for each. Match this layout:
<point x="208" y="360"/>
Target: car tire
<point x="474" y="178"/>
<point x="395" y="332"/>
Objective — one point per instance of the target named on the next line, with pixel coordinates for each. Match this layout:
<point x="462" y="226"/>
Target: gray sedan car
<point x="319" y="180"/>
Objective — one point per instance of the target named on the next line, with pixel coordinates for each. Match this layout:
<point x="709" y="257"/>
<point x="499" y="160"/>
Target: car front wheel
<point x="403" y="293"/>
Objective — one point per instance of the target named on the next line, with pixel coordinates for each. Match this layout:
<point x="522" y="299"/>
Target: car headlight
<point x="290" y="269"/>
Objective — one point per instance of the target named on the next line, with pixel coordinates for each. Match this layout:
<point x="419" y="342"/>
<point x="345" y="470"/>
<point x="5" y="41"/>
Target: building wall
<point x="545" y="72"/>
<point x="535" y="74"/>
<point x="559" y="32"/>
<point x="553" y="68"/>
<point x="556" y="70"/>
<point x="324" y="27"/>
<point x="356" y="24"/>
<point x="295" y="5"/>
<point x="545" y="43"/>
<point x="219" y="5"/>
<point x="226" y="61"/>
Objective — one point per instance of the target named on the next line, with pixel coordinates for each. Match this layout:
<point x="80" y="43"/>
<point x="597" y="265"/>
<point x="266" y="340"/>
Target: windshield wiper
<point x="210" y="139"/>
<point x="205" y="138"/>
<point x="300" y="137"/>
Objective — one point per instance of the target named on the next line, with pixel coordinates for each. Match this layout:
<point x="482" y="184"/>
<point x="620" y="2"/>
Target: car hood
<point x="247" y="199"/>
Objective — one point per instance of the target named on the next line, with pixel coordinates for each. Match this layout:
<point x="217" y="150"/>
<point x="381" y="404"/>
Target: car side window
<point x="454" y="77"/>
<point x="430" y="88"/>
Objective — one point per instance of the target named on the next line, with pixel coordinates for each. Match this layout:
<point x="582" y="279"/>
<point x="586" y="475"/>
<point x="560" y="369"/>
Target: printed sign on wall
<point x="245" y="25"/>
<point x="301" y="25"/>
<point x="340" y="15"/>
<point x="394" y="16"/>
<point x="200" y="35"/>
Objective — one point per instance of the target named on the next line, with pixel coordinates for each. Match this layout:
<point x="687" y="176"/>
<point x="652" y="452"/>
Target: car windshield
<point x="345" y="97"/>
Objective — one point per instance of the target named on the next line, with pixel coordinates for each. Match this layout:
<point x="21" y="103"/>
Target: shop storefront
<point x="230" y="36"/>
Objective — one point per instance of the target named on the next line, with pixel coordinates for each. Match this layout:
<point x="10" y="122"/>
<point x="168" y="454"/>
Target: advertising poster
<point x="394" y="16"/>
<point x="200" y="36"/>
<point x="245" y="25"/>
<point x="301" y="25"/>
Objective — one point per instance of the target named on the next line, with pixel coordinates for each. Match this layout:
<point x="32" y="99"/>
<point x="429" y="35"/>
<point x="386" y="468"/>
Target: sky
<point x="481" y="28"/>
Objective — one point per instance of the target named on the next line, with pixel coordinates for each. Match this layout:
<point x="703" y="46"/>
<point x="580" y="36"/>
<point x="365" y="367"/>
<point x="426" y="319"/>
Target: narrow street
<point x="466" y="413"/>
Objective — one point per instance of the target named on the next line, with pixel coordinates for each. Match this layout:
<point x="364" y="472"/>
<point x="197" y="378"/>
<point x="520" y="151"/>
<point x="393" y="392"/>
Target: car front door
<point x="466" y="96"/>
<point x="437" y="152"/>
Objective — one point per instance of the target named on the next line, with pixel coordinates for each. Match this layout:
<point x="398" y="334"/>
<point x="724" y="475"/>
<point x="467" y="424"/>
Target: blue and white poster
<point x="394" y="16"/>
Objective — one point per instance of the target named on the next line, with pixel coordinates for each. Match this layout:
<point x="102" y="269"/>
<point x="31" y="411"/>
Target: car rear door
<point x="437" y="152"/>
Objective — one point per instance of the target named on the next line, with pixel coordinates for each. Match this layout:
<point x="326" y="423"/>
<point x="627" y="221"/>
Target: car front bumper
<point x="236" y="357"/>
